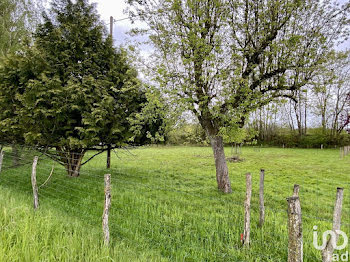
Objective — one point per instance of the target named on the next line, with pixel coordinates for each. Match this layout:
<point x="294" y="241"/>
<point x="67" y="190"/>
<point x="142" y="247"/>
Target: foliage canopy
<point x="222" y="59"/>
<point x="71" y="89"/>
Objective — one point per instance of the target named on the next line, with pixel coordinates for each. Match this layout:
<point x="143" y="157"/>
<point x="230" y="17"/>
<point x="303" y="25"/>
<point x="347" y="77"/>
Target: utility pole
<point x="111" y="26"/>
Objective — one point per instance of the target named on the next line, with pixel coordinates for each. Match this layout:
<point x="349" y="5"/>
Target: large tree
<point x="223" y="59"/>
<point x="71" y="90"/>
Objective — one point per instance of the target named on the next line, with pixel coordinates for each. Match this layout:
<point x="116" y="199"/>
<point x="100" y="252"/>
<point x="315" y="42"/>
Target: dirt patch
<point x="235" y="159"/>
<point x="204" y="156"/>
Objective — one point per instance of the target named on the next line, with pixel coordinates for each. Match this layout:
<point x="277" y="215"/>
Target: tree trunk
<point x="109" y="156"/>
<point x="73" y="163"/>
<point x="222" y="176"/>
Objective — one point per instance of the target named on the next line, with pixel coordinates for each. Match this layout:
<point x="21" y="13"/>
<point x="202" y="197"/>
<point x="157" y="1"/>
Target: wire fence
<point x="167" y="212"/>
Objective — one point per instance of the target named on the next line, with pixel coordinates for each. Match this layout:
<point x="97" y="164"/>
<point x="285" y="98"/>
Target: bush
<point x="187" y="134"/>
<point x="314" y="138"/>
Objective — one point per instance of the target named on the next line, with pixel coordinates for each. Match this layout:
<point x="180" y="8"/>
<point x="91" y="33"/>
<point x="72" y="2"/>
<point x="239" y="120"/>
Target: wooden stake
<point x="295" y="243"/>
<point x="35" y="188"/>
<point x="296" y="190"/>
<point x="261" y="198"/>
<point x="327" y="253"/>
<point x="246" y="233"/>
<point x="107" y="205"/>
<point x="342" y="152"/>
<point x="1" y="158"/>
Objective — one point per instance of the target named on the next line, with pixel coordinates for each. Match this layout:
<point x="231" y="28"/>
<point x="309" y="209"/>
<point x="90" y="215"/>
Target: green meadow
<point x="165" y="206"/>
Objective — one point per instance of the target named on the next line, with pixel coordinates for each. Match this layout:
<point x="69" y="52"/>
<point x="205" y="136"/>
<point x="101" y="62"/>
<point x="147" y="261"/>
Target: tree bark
<point x="247" y="204"/>
<point x="295" y="242"/>
<point x="222" y="176"/>
<point x="34" y="185"/>
<point x="73" y="163"/>
<point x="107" y="206"/>
<point x="327" y="253"/>
<point x="261" y="198"/>
<point x="217" y="144"/>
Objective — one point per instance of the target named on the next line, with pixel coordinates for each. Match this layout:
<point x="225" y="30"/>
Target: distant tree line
<point x="318" y="114"/>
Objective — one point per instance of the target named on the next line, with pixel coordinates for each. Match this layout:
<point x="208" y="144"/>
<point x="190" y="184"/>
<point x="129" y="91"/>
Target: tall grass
<point x="50" y="235"/>
<point x="165" y="206"/>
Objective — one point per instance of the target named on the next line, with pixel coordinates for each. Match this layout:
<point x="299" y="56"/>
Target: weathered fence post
<point x="34" y="185"/>
<point x="1" y="158"/>
<point x="246" y="232"/>
<point x="295" y="242"/>
<point x="342" y="152"/>
<point x="107" y="205"/>
<point x="321" y="146"/>
<point x="296" y="190"/>
<point x="327" y="253"/>
<point x="261" y="198"/>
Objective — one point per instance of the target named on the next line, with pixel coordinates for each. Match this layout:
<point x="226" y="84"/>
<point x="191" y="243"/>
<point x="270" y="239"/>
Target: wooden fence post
<point x="321" y="146"/>
<point x="246" y="232"/>
<point x="295" y="242"/>
<point x="1" y="158"/>
<point x="327" y="253"/>
<point x="261" y="198"/>
<point x="34" y="185"/>
<point x="342" y="152"/>
<point x="296" y="190"/>
<point x="107" y="205"/>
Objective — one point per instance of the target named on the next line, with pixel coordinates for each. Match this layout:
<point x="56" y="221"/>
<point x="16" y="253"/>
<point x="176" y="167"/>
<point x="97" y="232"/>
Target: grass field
<point x="165" y="206"/>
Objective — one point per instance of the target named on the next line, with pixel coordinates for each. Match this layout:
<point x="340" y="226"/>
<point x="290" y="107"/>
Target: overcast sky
<point x="115" y="8"/>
